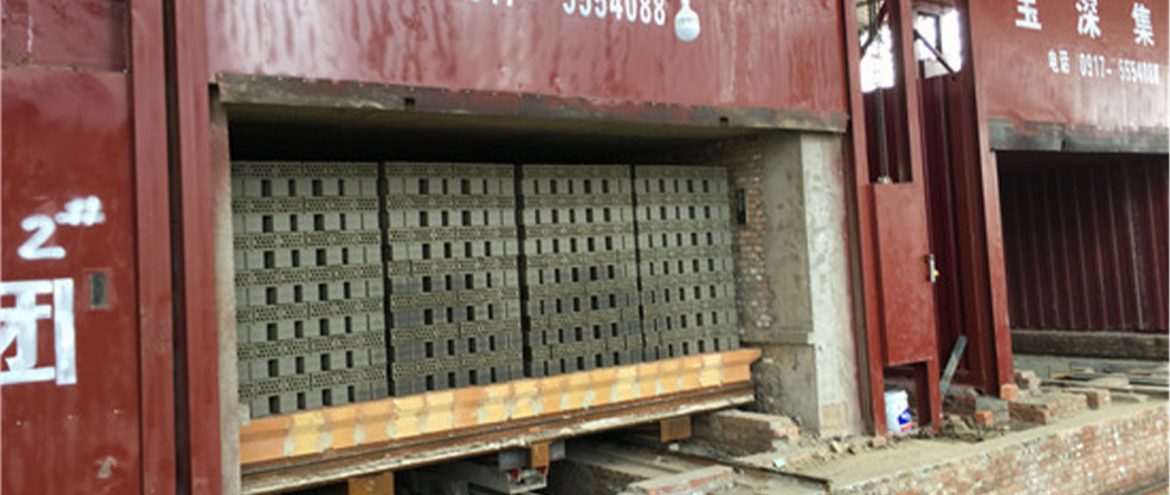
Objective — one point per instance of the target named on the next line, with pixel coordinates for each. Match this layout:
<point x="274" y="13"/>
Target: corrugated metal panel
<point x="1085" y="241"/>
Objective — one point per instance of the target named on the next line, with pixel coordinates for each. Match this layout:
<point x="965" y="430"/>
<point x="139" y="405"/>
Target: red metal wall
<point x="1085" y="241"/>
<point x="66" y="136"/>
<point x="84" y="376"/>
<point x="1017" y="83"/>
<point x="751" y="53"/>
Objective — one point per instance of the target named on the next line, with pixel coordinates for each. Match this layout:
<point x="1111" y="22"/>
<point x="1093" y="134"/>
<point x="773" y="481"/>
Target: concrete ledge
<point x="703" y="480"/>
<point x="1113" y="345"/>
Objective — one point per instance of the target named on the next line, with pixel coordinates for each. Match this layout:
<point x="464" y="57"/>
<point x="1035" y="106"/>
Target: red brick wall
<point x="1107" y="457"/>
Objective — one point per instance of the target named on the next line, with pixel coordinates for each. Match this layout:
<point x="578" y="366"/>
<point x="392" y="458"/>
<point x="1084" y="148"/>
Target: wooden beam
<point x="374" y="484"/>
<point x="442" y="413"/>
<point x="538" y="455"/>
<point x="284" y="476"/>
<point x="676" y="428"/>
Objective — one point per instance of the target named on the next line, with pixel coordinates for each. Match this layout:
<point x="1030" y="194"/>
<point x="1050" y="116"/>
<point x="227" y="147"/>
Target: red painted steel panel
<point x="153" y="243"/>
<point x="14" y="28"/>
<point x="751" y="53"/>
<point x="197" y="360"/>
<point x="79" y="33"/>
<point x="1017" y="83"/>
<point x="939" y="180"/>
<point x="978" y="207"/>
<point x="1086" y="244"/>
<point x="67" y="136"/>
<point x="906" y="294"/>
<point x="957" y="214"/>
<point x="90" y="34"/>
<point x="865" y="278"/>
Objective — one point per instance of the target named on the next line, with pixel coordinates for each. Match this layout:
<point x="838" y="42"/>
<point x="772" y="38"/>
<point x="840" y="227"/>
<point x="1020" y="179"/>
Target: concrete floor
<point x="918" y="461"/>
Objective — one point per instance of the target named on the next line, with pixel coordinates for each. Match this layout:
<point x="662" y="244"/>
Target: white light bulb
<point x="686" y="23"/>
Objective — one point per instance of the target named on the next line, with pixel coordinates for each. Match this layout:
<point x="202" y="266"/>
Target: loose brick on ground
<point x="1028" y="381"/>
<point x="744" y="432"/>
<point x="984" y="419"/>
<point x="1009" y="391"/>
<point x="1045" y="408"/>
<point x="1096" y="397"/>
<point x="967" y="405"/>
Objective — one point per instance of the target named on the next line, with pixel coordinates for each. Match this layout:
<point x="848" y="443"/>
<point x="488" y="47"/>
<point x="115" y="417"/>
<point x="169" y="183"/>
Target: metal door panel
<point x="906" y="292"/>
<point x="69" y="365"/>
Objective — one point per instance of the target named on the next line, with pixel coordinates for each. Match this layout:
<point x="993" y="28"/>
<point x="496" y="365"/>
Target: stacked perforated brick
<point x="581" y="270"/>
<point x="355" y="280"/>
<point x="452" y="273"/>
<point x="686" y="265"/>
<point x="308" y="285"/>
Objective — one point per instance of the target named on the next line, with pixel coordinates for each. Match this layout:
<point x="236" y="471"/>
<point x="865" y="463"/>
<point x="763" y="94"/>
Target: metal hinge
<point x="931" y="269"/>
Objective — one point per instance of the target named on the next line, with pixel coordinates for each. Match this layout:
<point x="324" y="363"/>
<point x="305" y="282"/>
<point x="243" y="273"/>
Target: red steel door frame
<point x="869" y="355"/>
<point x="988" y="303"/>
<point x="196" y="315"/>
<point x="153" y="246"/>
<point x="883" y="326"/>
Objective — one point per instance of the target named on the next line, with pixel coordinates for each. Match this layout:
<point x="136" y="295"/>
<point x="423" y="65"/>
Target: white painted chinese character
<point x="1088" y="23"/>
<point x="1029" y="15"/>
<point x="1143" y="29"/>
<point x="1064" y="65"/>
<point x="1053" y="62"/>
<point x="19" y="326"/>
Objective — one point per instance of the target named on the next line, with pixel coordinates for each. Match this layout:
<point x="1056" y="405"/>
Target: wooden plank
<point x="1156" y="381"/>
<point x="1141" y="389"/>
<point x="538" y="455"/>
<point x="288" y="475"/>
<point x="322" y="431"/>
<point x="374" y="484"/>
<point x="673" y="429"/>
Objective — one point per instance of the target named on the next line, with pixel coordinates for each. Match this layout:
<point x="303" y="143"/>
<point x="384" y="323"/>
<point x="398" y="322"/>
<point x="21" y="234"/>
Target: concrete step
<point x="702" y="481"/>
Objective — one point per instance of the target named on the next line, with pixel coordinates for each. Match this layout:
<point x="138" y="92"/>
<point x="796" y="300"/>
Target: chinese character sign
<point x="1143" y="29"/>
<point x="1098" y="65"/>
<point x="1029" y="15"/>
<point x="1097" y="50"/>
<point x="1088" y="22"/>
<point x="29" y="312"/>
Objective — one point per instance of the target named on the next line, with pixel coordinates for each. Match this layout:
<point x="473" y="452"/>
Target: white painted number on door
<point x="78" y="212"/>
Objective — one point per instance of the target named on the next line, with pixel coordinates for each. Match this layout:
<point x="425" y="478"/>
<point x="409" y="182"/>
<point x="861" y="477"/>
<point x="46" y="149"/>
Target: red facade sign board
<point x="750" y="53"/>
<point x="1099" y="63"/>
